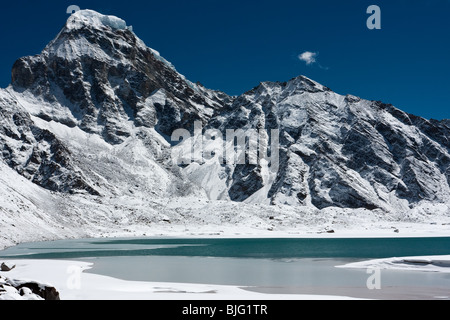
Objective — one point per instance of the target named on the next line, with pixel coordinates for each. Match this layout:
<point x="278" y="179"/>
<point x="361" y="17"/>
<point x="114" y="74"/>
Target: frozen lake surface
<point x="262" y="265"/>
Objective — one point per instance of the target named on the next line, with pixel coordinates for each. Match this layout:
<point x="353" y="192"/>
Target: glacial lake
<point x="289" y="265"/>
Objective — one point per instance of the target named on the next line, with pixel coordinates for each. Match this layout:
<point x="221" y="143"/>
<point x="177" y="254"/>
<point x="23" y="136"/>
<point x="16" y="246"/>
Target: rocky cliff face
<point x="339" y="150"/>
<point x="99" y="76"/>
<point x="95" y="110"/>
<point x="36" y="153"/>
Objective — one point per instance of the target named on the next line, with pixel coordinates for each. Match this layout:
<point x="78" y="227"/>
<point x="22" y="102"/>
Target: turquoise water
<point x="365" y="248"/>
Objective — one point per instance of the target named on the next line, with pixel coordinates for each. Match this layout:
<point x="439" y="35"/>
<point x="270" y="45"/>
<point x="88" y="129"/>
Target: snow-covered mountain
<point x="341" y="150"/>
<point x="87" y="125"/>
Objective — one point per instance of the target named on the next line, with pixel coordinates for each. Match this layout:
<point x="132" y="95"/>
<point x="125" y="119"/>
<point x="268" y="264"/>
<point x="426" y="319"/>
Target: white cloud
<point x="308" y="57"/>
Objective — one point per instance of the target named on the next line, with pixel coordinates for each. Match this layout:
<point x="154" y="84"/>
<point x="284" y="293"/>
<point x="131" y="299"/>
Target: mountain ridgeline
<point x="93" y="114"/>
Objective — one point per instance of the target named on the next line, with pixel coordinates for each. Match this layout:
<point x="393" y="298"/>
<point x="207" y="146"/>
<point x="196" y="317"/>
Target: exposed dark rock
<point x="246" y="181"/>
<point x="36" y="153"/>
<point x="45" y="292"/>
<point x="6" y="268"/>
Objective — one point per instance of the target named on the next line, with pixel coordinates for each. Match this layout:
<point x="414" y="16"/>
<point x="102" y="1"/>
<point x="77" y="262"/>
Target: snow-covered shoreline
<point x="382" y="230"/>
<point x="73" y="284"/>
<point x="405" y="230"/>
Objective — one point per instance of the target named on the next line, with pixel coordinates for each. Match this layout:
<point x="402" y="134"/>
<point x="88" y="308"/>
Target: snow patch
<point x="423" y="263"/>
<point x="94" y="19"/>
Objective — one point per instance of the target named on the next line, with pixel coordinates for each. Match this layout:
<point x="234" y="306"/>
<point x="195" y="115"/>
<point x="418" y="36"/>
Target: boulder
<point x="6" y="268"/>
<point x="45" y="292"/>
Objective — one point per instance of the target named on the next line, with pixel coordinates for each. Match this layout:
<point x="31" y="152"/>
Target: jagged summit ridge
<point x="94" y="19"/>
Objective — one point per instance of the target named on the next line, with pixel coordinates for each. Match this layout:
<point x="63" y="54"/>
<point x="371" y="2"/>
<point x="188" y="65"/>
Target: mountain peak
<point x="96" y="20"/>
<point x="307" y="83"/>
<point x="98" y="75"/>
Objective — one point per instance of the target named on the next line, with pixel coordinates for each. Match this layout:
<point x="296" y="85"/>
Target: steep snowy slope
<point x="35" y="152"/>
<point x="110" y="99"/>
<point x="27" y="211"/>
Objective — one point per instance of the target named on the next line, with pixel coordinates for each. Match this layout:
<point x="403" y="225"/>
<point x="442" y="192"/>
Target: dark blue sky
<point x="233" y="45"/>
